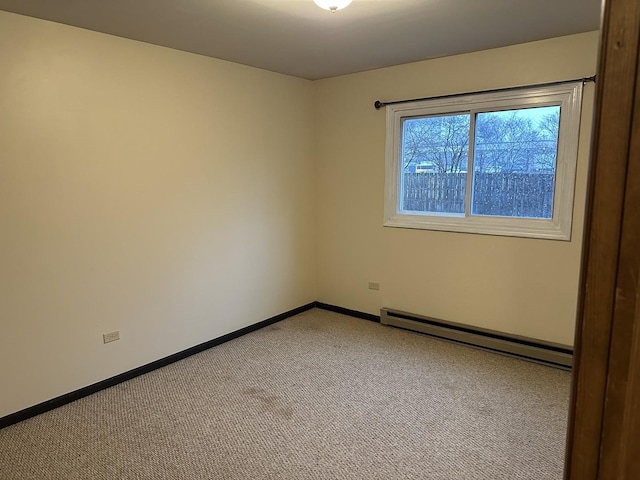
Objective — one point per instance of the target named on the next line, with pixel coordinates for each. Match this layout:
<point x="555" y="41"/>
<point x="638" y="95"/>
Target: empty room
<point x="292" y="239"/>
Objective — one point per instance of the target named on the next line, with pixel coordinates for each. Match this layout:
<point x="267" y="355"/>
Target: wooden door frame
<point x="604" y="419"/>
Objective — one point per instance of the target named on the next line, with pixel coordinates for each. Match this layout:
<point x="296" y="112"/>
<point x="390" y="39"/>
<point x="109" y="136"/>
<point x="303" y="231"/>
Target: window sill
<point x="509" y="227"/>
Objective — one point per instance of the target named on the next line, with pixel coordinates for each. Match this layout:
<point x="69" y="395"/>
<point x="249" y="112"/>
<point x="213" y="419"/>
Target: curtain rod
<point x="378" y="104"/>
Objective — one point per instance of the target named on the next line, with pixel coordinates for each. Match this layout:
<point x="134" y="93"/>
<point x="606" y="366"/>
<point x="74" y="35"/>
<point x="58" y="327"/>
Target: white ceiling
<point x="297" y="38"/>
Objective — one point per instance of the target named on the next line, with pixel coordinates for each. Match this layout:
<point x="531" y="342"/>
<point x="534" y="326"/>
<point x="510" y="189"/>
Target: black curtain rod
<point x="378" y="104"/>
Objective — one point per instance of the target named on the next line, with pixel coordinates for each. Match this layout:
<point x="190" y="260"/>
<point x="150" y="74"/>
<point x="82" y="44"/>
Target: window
<point x="500" y="163"/>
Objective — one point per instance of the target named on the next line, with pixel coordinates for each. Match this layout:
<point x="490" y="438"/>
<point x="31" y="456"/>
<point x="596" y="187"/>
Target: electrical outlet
<point x="111" y="337"/>
<point x="374" y="286"/>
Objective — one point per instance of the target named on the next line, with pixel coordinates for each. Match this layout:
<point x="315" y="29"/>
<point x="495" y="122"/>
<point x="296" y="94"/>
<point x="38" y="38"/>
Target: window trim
<point x="568" y="96"/>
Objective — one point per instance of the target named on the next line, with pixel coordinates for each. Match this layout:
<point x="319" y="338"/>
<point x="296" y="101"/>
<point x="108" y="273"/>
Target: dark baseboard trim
<point x="346" y="311"/>
<point x="149" y="367"/>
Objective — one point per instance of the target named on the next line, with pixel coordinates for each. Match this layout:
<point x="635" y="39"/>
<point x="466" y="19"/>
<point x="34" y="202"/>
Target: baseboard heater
<point x="548" y="353"/>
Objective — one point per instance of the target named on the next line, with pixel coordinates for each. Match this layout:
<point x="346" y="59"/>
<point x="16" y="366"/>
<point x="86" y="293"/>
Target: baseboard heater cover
<point x="549" y="353"/>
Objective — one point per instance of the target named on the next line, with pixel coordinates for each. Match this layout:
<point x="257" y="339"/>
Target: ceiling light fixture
<point x="332" y="5"/>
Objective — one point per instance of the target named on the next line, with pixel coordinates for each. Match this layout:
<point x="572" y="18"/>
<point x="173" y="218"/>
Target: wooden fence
<point x="499" y="194"/>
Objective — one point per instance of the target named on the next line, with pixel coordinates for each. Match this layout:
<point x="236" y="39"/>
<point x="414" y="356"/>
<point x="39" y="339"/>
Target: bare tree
<point x="442" y="142"/>
<point x="509" y="142"/>
<point x="547" y="153"/>
<point x="548" y="125"/>
<point x="505" y="142"/>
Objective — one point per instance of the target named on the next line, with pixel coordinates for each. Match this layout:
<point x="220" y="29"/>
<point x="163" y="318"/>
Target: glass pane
<point x="434" y="164"/>
<point x="514" y="162"/>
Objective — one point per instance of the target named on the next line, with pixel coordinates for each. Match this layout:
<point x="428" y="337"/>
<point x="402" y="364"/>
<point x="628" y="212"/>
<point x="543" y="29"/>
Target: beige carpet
<point x="316" y="396"/>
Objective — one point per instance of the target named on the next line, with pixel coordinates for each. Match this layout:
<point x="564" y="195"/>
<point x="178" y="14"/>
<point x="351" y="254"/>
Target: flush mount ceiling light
<point x="332" y="5"/>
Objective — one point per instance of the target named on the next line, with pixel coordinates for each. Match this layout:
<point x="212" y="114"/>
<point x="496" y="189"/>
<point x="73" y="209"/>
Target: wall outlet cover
<point x="111" y="337"/>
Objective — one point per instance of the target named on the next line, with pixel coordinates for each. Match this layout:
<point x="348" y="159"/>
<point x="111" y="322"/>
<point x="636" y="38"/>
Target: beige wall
<point x="522" y="286"/>
<point x="159" y="193"/>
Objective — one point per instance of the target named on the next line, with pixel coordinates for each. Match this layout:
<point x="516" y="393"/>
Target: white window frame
<point x="566" y="95"/>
